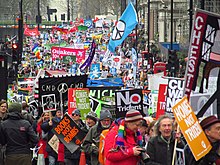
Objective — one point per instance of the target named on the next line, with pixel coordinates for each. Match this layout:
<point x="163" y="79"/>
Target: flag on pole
<point x="123" y="28"/>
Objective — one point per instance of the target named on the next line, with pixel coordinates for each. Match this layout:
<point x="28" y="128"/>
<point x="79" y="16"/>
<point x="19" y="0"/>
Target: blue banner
<point x="125" y="25"/>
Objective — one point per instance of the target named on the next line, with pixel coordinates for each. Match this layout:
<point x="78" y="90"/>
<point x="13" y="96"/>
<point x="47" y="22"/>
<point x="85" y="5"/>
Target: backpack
<point x="101" y="146"/>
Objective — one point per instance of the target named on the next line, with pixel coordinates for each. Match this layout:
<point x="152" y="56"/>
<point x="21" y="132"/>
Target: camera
<point x="144" y="156"/>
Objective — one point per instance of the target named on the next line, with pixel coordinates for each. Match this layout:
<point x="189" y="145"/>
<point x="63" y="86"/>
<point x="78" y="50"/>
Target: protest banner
<point x="71" y="100"/>
<point x="58" y="87"/>
<point x="60" y="52"/>
<point x="203" y="54"/>
<point x="191" y="129"/>
<point x="101" y="96"/>
<point x="161" y="103"/>
<point x="146" y="101"/>
<point x="69" y="133"/>
<point x="174" y="93"/>
<point x="54" y="143"/>
<point x="49" y="103"/>
<point x="180" y="157"/>
<point x="128" y="99"/>
<point x="83" y="102"/>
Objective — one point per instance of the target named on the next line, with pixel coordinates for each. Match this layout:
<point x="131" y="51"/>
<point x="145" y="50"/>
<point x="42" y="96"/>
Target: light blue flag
<point x="125" y="25"/>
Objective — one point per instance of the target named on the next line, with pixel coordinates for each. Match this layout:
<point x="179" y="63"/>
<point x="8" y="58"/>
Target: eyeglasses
<point x="75" y="114"/>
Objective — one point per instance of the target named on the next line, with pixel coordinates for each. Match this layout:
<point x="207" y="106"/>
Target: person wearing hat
<point x="18" y="136"/>
<point x="211" y="127"/>
<point x="160" y="147"/>
<point x="91" y="119"/>
<point x="124" y="141"/>
<point x="91" y="142"/>
<point x="74" y="158"/>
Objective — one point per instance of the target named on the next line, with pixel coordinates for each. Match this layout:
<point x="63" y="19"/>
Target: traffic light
<point x="173" y="63"/>
<point x="15" y="52"/>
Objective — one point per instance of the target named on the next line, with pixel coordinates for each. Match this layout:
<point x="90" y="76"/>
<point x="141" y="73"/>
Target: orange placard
<point x="191" y="129"/>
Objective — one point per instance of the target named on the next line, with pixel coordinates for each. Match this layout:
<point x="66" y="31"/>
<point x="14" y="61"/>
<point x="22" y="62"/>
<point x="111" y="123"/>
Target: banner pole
<point x="174" y="149"/>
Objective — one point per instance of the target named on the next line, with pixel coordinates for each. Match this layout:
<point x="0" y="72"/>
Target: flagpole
<point x="136" y="27"/>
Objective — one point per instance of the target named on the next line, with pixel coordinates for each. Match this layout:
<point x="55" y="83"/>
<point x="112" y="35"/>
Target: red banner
<point x="195" y="51"/>
<point x="161" y="103"/>
<point x="71" y="100"/>
<point x="31" y="32"/>
<point x="59" y="52"/>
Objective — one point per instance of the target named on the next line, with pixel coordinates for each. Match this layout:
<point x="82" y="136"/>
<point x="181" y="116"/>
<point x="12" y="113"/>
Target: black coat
<point x="18" y="134"/>
<point x="160" y="151"/>
<point x="209" y="159"/>
<point x="48" y="129"/>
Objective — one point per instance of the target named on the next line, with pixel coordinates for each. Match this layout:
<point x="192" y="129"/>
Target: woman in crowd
<point x="42" y="135"/>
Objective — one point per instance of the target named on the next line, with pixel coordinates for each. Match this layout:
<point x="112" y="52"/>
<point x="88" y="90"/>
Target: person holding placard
<point x="161" y="147"/>
<point x="211" y="127"/>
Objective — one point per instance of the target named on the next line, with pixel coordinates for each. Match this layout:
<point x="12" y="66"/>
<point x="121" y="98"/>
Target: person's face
<point x="3" y="108"/>
<point x="166" y="127"/>
<point x="90" y="122"/>
<point x="151" y="132"/>
<point x="106" y="123"/>
<point x="46" y="116"/>
<point x="143" y="130"/>
<point x="134" y="126"/>
<point x="58" y="114"/>
<point x="75" y="117"/>
<point x="214" y="132"/>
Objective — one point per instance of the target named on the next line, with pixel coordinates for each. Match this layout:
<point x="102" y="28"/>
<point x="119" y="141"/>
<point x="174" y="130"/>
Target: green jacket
<point x="91" y="143"/>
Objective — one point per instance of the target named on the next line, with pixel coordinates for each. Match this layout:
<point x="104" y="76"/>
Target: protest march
<point x="81" y="94"/>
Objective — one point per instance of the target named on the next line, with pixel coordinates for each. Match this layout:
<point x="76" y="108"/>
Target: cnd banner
<point x="127" y="100"/>
<point x="53" y="91"/>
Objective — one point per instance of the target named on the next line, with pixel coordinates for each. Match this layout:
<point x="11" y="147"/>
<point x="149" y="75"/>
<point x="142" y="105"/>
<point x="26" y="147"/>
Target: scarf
<point x="122" y="135"/>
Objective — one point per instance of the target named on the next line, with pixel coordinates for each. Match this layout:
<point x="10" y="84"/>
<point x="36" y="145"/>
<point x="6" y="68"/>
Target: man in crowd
<point x="211" y="127"/>
<point x="18" y="136"/>
<point x="91" y="142"/>
<point x="74" y="158"/>
<point x="123" y="143"/>
<point x="91" y="119"/>
<point x="160" y="148"/>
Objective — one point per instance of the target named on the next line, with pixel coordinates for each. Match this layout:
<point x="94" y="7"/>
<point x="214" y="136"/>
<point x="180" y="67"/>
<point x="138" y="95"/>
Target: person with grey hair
<point x="161" y="147"/>
<point x="18" y="136"/>
<point x="92" y="139"/>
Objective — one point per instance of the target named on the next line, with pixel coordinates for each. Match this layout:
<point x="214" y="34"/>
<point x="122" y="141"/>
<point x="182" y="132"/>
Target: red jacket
<point x="118" y="157"/>
<point x="42" y="141"/>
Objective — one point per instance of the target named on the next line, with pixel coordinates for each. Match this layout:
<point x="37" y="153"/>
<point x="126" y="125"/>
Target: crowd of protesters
<point x="132" y="139"/>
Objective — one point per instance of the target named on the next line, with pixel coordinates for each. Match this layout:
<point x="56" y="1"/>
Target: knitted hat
<point x="92" y="115"/>
<point x="133" y="115"/>
<point x="77" y="112"/>
<point x="14" y="107"/>
<point x="205" y="123"/>
<point x="104" y="114"/>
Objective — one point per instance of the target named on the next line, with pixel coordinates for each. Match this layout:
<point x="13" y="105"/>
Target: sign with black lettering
<point x="204" y="52"/>
<point x="174" y="93"/>
<point x="59" y="87"/>
<point x="127" y="100"/>
<point x="69" y="133"/>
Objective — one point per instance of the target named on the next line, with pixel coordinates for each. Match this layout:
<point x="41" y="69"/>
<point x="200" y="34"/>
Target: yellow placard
<point x="191" y="129"/>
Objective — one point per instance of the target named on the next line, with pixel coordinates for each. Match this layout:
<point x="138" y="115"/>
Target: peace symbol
<point x="62" y="88"/>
